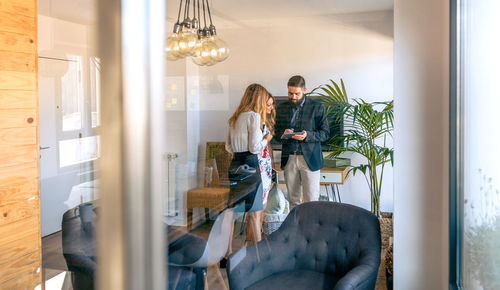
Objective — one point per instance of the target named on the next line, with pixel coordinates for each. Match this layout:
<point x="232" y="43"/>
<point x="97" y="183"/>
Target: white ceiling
<point x="263" y="9"/>
<point x="262" y="13"/>
<point x="84" y="11"/>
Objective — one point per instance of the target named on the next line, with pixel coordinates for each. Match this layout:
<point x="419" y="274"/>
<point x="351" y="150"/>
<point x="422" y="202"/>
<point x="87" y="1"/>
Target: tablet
<point x="289" y="135"/>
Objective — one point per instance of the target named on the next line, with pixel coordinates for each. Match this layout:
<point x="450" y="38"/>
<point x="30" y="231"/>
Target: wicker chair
<point x="213" y="195"/>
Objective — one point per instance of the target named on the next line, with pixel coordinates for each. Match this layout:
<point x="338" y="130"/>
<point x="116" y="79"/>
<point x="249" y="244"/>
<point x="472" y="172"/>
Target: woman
<point x="246" y="141"/>
<point x="265" y="157"/>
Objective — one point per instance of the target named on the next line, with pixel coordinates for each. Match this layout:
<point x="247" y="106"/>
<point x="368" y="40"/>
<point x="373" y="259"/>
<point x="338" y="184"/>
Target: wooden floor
<point x="54" y="264"/>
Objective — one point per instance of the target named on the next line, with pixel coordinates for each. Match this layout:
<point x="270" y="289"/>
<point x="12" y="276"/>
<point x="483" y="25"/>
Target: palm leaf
<point x="366" y="125"/>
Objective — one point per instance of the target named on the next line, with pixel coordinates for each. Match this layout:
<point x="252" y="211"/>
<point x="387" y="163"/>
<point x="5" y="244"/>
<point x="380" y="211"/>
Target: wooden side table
<point x="332" y="177"/>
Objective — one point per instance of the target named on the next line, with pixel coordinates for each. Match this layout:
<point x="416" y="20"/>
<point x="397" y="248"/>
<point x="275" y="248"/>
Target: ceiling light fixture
<point x="188" y="39"/>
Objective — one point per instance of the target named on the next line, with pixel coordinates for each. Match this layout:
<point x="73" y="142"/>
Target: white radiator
<point x="169" y="201"/>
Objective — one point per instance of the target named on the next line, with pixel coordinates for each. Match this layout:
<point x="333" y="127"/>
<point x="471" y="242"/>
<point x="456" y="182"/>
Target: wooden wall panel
<point x="18" y="189"/>
<point x="17" y="61"/>
<point x="27" y="243"/>
<point x="22" y="263"/>
<point x="19" y="7"/>
<point x="20" y="237"/>
<point x="18" y="211"/>
<point x="15" y="99"/>
<point x="25" y="265"/>
<point x="18" y="136"/>
<point x="15" y="118"/>
<point x="15" y="80"/>
<point x="24" y="172"/>
<point x="10" y="155"/>
<point x="18" y="230"/>
<point x="17" y="42"/>
<point x="25" y="282"/>
<point x="11" y="22"/>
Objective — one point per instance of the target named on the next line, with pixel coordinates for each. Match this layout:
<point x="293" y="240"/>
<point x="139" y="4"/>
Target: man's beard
<point x="294" y="103"/>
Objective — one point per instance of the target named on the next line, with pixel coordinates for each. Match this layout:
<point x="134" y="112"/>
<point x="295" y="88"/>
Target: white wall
<point x="355" y="47"/>
<point x="421" y="76"/>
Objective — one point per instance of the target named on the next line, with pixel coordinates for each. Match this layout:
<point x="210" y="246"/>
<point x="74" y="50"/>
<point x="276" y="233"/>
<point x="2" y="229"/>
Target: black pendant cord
<point x="185" y="9"/>
<point x="204" y="15"/>
<point x="179" y="14"/>
<point x="194" y="9"/>
<point x="199" y="17"/>
<point x="209" y="14"/>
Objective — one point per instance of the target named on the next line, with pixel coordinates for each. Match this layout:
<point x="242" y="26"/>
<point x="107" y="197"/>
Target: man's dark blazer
<point x="314" y="121"/>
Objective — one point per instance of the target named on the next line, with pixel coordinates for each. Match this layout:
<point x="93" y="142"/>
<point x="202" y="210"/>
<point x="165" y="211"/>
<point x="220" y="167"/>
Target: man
<point x="301" y="155"/>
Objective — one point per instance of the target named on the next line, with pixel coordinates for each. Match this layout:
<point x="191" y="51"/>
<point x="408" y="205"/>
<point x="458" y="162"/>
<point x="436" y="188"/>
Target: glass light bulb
<point x="197" y="60"/>
<point x="197" y="51"/>
<point x="222" y="49"/>
<point x="172" y="47"/>
<point x="187" y="42"/>
<point x="208" y="52"/>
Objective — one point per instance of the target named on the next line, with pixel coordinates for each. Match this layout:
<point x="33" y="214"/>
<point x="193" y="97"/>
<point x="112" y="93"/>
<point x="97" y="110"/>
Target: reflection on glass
<point x="95" y="91"/>
<point x="208" y="93"/>
<point x="72" y="95"/>
<point x="86" y="191"/>
<point x="174" y="93"/>
<point x="79" y="150"/>
<point x="69" y="112"/>
<point x="55" y="282"/>
<point x="481" y="237"/>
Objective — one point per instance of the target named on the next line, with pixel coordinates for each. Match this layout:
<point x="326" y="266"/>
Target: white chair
<point x="216" y="246"/>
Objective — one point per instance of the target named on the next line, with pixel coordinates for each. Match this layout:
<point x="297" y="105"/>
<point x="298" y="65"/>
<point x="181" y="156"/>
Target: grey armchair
<point x="78" y="247"/>
<point x="320" y="245"/>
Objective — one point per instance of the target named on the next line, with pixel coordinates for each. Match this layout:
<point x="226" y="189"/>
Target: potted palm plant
<point x="366" y="128"/>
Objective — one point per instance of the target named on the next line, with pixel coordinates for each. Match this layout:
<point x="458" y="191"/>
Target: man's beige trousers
<point x="302" y="184"/>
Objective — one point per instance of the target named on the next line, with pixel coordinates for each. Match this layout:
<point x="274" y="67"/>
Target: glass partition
<point x="69" y="141"/>
<point x="174" y="195"/>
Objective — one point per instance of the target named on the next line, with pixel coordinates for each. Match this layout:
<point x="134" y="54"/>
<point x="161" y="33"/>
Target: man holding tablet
<point x="301" y="126"/>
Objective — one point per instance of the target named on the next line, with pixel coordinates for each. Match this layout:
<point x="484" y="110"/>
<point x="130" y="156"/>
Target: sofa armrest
<point x="360" y="277"/>
<point x="240" y="267"/>
<point x="80" y="263"/>
<point x="258" y="261"/>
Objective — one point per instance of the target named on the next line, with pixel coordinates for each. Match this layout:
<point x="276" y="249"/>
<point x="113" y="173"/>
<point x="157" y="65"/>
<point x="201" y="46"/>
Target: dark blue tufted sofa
<point x="320" y="245"/>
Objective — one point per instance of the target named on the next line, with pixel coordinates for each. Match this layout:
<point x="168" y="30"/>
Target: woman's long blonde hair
<point x="271" y="118"/>
<point x="254" y="99"/>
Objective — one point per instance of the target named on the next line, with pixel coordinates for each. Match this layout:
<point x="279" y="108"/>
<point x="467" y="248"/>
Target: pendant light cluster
<point x="189" y="39"/>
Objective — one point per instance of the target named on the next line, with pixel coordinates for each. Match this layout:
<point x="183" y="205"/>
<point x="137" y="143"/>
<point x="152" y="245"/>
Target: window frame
<point x="456" y="147"/>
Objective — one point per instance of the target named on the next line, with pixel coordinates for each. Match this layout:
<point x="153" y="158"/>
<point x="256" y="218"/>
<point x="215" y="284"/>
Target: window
<point x="475" y="216"/>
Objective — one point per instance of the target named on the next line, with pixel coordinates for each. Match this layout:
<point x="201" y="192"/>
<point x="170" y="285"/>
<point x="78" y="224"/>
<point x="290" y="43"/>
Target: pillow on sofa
<point x="276" y="202"/>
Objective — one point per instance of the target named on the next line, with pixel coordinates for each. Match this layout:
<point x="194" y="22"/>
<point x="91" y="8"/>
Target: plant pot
<point x="388" y="266"/>
<point x="386" y="225"/>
